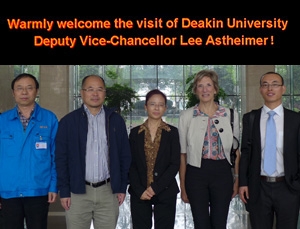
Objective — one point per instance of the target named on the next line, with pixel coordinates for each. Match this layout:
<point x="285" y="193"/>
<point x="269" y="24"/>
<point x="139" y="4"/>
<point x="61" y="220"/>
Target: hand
<point x="244" y="194"/>
<point x="147" y="195"/>
<point x="52" y="197"/>
<point x="150" y="190"/>
<point x="121" y="198"/>
<point x="65" y="203"/>
<point x="184" y="196"/>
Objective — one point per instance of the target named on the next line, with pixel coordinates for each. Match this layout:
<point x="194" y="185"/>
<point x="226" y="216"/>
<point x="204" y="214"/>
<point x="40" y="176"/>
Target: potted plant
<point x="120" y="96"/>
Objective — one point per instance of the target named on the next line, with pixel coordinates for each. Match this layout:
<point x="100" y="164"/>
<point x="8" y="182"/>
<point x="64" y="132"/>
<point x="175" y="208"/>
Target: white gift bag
<point x="238" y="217"/>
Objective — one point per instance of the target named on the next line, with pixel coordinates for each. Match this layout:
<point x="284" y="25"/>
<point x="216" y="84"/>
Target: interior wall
<point x="253" y="73"/>
<point x="54" y="88"/>
<point x="6" y="76"/>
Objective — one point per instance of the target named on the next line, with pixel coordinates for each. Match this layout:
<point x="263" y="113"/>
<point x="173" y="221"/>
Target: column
<point x="6" y="76"/>
<point x="254" y="99"/>
<point x="55" y="92"/>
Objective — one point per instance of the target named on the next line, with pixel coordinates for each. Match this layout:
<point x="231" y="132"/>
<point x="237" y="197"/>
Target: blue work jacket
<point x="27" y="163"/>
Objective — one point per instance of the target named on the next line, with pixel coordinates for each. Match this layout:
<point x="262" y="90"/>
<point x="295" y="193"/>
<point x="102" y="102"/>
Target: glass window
<point x="291" y="76"/>
<point x="171" y="79"/>
<point x="31" y="69"/>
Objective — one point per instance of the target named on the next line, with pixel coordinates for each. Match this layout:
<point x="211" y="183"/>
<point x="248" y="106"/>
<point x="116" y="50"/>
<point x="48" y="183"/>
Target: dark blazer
<point x="250" y="162"/>
<point x="166" y="165"/>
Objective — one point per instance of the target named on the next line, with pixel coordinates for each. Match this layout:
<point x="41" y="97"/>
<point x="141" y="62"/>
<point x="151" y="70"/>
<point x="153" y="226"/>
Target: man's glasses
<point x="272" y="85"/>
<point x="21" y="89"/>
<point x="91" y="90"/>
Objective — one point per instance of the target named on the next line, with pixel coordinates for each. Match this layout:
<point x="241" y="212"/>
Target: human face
<point x="206" y="90"/>
<point x="272" y="95"/>
<point x="93" y="99"/>
<point x="156" y="107"/>
<point x="25" y="92"/>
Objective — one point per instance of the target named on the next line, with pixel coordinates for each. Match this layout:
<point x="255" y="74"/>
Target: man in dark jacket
<point x="93" y="159"/>
<point x="276" y="192"/>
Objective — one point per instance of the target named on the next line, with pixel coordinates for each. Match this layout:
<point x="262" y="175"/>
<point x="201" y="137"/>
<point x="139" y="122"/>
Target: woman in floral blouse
<point x="155" y="152"/>
<point x="206" y="138"/>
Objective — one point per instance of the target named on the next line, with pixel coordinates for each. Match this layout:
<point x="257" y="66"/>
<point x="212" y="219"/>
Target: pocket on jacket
<point x="42" y="143"/>
<point x="9" y="143"/>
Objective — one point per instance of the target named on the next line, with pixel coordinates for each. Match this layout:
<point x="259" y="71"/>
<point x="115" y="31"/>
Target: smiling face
<point x="272" y="95"/>
<point x="205" y="90"/>
<point x="93" y="93"/>
<point x="25" y="92"/>
<point x="156" y="106"/>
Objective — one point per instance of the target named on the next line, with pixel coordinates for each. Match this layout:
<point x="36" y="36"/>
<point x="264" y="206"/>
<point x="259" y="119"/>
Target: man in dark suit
<point x="266" y="195"/>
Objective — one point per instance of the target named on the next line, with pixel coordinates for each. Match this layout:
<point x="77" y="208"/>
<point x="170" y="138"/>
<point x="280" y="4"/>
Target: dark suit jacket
<point x="166" y="165"/>
<point x="250" y="162"/>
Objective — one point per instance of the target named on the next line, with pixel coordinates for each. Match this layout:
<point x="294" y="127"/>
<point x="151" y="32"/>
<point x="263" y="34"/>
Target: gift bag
<point x="238" y="217"/>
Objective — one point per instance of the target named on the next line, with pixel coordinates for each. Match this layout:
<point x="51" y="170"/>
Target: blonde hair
<point x="206" y="73"/>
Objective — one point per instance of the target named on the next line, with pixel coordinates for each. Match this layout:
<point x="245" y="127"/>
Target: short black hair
<point x="155" y="92"/>
<point x="84" y="79"/>
<point x="267" y="73"/>
<point x="25" y="75"/>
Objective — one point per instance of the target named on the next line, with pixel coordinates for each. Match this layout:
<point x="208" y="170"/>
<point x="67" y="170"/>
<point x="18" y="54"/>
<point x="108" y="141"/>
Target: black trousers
<point x="275" y="200"/>
<point x="209" y="190"/>
<point x="33" y="209"/>
<point x="163" y="211"/>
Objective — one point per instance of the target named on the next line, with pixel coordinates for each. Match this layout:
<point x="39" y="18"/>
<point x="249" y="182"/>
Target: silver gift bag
<point x="238" y="217"/>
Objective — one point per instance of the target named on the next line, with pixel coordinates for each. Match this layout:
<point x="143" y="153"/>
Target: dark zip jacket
<point x="70" y="151"/>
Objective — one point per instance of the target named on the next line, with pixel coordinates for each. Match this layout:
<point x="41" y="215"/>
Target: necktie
<point x="270" y="145"/>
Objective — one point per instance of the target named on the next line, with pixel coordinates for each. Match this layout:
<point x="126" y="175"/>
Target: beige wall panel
<point x="253" y="74"/>
<point x="54" y="88"/>
<point x="6" y="76"/>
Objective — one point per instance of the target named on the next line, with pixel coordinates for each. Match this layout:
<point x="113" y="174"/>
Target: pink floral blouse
<point x="212" y="146"/>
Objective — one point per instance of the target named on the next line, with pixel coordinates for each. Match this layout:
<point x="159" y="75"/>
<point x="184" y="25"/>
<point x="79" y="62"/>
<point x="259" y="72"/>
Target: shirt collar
<point x="219" y="112"/>
<point x="86" y="109"/>
<point x="278" y="110"/>
<point x="20" y="112"/>
<point x="163" y="125"/>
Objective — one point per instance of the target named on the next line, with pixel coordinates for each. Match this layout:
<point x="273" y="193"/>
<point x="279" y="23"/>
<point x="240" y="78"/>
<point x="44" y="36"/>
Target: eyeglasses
<point x="273" y="85"/>
<point x="21" y="89"/>
<point x="159" y="105"/>
<point x="91" y="90"/>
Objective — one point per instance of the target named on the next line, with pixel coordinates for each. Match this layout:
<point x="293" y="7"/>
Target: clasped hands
<point x="148" y="194"/>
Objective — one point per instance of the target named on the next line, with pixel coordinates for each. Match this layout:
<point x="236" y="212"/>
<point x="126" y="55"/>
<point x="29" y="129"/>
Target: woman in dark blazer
<point x="155" y="152"/>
